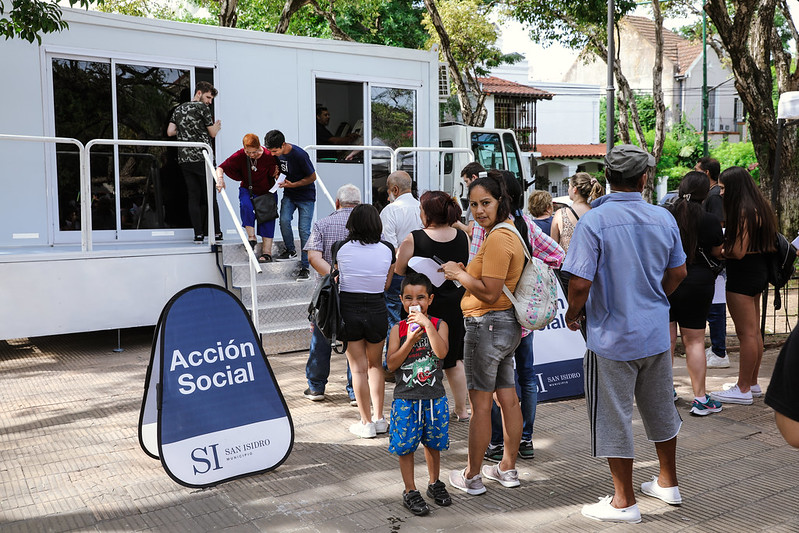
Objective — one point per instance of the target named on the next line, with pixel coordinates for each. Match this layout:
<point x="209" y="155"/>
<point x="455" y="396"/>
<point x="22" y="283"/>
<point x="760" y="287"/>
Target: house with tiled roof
<point x="682" y="75"/>
<point x="512" y="105"/>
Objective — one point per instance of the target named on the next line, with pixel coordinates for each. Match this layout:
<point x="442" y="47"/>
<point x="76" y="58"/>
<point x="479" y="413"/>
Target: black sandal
<point x="253" y="244"/>
<point x="264" y="258"/>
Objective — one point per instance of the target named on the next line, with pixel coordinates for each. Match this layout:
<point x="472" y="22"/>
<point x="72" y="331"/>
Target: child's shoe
<point x="415" y="503"/>
<point x="438" y="491"/>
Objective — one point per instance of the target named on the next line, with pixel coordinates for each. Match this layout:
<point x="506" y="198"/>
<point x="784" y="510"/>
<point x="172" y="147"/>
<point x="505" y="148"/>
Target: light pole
<point x="610" y="98"/>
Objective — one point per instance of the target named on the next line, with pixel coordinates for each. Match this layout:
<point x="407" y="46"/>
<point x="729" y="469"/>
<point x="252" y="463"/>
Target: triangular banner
<point x="212" y="410"/>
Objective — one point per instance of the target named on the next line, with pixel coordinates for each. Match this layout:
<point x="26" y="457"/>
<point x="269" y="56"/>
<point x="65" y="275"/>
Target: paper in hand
<point x="428" y="267"/>
<point x="276" y="186"/>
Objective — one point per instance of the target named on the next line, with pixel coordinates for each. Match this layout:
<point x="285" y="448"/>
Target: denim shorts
<point x="488" y="348"/>
<point x="415" y="421"/>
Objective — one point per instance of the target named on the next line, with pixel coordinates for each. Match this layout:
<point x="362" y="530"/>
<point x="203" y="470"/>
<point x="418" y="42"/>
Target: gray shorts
<point x="609" y="390"/>
<point x="488" y="347"/>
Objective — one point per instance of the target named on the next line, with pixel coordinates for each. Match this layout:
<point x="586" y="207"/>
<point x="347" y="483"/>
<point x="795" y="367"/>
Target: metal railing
<point x="367" y="148"/>
<point x="393" y="155"/>
<point x="84" y="162"/>
<point x="85" y="187"/>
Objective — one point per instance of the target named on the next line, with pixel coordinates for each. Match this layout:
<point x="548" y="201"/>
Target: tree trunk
<point x="657" y="96"/>
<point x="227" y="13"/>
<point x="472" y="115"/>
<point x="289" y="8"/>
<point x="748" y="39"/>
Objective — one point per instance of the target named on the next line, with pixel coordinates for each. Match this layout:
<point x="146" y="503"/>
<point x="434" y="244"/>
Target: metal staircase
<point x="282" y="300"/>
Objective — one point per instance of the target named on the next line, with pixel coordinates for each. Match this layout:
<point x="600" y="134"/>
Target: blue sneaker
<point x="706" y="407"/>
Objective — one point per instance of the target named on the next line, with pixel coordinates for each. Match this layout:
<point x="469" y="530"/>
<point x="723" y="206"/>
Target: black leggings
<point x="194" y="175"/>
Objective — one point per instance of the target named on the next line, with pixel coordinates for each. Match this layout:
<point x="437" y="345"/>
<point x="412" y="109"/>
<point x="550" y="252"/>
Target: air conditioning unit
<point x="443" y="82"/>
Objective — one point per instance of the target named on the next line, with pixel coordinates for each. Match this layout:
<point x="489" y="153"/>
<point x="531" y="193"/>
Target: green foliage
<point x="646" y="112"/>
<point x="567" y="22"/>
<point x="28" y="19"/>
<point x="473" y="38"/>
<point x="737" y="154"/>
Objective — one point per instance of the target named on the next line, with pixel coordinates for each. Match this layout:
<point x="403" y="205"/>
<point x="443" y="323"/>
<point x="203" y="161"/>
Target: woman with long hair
<point x="702" y="237"/>
<point x="366" y="265"/>
<point x="439" y="239"/>
<point x="751" y="228"/>
<point x="583" y="189"/>
<point x="492" y="335"/>
<point x="541" y="246"/>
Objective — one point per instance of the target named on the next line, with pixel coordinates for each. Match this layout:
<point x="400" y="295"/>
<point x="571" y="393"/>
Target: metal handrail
<point x="167" y="144"/>
<point x="255" y="267"/>
<point x="85" y="189"/>
<point x="316" y="147"/>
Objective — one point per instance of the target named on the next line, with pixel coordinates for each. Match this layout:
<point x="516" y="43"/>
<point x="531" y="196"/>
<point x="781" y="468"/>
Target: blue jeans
<point x="393" y="306"/>
<point x="526" y="388"/>
<point x="317" y="369"/>
<point x="717" y="320"/>
<point x="287" y="208"/>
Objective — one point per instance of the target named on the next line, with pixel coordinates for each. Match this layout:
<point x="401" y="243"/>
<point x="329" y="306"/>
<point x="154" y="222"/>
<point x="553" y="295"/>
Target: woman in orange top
<point x="492" y="335"/>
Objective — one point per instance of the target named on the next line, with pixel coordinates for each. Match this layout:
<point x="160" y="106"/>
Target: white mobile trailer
<point x="117" y="77"/>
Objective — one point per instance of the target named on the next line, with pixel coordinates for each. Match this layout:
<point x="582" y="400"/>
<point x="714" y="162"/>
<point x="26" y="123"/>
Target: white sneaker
<point x="714" y="361"/>
<point x="756" y="391"/>
<point x="605" y="512"/>
<point x="381" y="426"/>
<point x="670" y="495"/>
<point x="364" y="431"/>
<point x="732" y="395"/>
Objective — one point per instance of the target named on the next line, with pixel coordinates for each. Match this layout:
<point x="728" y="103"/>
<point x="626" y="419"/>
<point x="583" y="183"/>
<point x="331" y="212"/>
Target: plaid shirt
<point x="544" y="247"/>
<point x="327" y="231"/>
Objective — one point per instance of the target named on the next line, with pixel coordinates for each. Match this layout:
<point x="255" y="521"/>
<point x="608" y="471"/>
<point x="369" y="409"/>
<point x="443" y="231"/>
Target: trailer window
<point x="488" y="150"/>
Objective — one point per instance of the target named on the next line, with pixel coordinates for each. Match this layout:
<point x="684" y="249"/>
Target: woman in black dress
<point x="438" y="238"/>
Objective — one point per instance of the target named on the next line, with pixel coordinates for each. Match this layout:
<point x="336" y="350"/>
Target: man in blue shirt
<point x="625" y="258"/>
<point x="299" y="194"/>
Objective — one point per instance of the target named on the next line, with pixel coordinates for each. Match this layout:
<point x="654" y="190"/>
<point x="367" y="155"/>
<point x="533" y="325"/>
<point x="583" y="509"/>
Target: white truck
<point x="493" y="148"/>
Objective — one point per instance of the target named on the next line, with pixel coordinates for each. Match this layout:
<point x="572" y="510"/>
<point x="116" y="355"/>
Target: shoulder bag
<point x="265" y="205"/>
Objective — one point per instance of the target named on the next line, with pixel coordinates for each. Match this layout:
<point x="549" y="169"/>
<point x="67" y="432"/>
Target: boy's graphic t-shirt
<point x="420" y="375"/>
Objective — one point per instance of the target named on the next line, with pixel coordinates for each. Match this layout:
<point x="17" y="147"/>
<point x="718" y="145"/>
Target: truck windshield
<point x="487" y="150"/>
<point x="513" y="155"/>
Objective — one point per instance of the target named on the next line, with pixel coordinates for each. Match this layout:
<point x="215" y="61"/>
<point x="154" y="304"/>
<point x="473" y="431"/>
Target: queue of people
<point x="656" y="266"/>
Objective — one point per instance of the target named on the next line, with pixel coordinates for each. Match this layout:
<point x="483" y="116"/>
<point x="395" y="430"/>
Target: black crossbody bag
<point x="265" y="205"/>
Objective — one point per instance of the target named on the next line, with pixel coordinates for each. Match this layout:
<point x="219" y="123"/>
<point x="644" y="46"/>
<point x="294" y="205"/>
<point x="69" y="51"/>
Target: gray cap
<point x="629" y="159"/>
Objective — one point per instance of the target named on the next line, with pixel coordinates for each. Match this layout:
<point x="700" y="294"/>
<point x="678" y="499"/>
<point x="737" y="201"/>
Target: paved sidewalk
<point x="70" y="460"/>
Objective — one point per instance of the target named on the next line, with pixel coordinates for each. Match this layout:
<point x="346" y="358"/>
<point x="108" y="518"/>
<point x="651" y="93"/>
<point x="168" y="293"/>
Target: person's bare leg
<point x="356" y="356"/>
<point x="457" y="382"/>
<point x="433" y="459"/>
<point x="695" y="360"/>
<point x="745" y="316"/>
<point x="667" y="457"/>
<point x="266" y="245"/>
<point x="377" y="382"/>
<point x="479" y="430"/>
<point x="622" y="472"/>
<point x="511" y="426"/>
<point x="673" y="335"/>
<point x="406" y="469"/>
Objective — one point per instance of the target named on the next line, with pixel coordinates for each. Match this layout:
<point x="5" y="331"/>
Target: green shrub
<point x="737" y="154"/>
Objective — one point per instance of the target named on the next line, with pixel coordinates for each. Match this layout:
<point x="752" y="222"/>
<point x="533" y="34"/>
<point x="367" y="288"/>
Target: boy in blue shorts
<point x="419" y="412"/>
